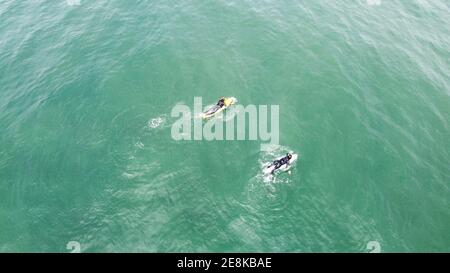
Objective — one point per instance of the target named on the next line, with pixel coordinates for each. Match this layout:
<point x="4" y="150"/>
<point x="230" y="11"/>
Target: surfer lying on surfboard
<point x="222" y="104"/>
<point x="277" y="164"/>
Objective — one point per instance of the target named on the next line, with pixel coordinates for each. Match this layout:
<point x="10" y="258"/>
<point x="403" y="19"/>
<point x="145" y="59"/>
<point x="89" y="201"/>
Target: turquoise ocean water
<point x="86" y="153"/>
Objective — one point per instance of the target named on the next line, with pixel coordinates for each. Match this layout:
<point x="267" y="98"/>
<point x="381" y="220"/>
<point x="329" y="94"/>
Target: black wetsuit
<point x="215" y="108"/>
<point x="280" y="162"/>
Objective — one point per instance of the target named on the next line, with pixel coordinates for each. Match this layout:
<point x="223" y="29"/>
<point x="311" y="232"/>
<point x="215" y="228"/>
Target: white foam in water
<point x="155" y="122"/>
<point x="270" y="148"/>
<point x="139" y="144"/>
<point x="373" y="2"/>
